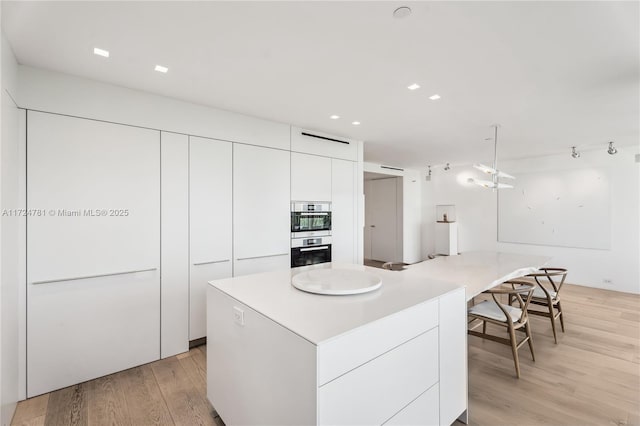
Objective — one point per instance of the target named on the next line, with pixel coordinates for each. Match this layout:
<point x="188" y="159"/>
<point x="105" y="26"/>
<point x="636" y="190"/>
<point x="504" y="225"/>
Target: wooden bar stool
<point x="511" y="317"/>
<point x="547" y="294"/>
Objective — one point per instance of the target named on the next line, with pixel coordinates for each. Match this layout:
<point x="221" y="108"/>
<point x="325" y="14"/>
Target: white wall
<point x="477" y="217"/>
<point x="51" y="91"/>
<point x="9" y="238"/>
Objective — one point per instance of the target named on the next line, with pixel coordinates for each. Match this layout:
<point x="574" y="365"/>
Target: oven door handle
<point x="314" y="214"/>
<point x="315" y="248"/>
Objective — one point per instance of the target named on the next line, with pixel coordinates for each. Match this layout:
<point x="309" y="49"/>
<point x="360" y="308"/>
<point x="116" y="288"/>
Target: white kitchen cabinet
<point x="93" y="270"/>
<point x="174" y="241"/>
<point x="318" y="143"/>
<point x="261" y="209"/>
<point x="210" y="209"/>
<point x="344" y="210"/>
<point x="310" y="177"/>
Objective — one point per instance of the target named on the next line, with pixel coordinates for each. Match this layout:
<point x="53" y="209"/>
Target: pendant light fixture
<point x="496" y="174"/>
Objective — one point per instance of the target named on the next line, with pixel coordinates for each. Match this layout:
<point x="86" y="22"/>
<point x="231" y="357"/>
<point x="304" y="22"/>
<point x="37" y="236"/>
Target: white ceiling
<point x="553" y="74"/>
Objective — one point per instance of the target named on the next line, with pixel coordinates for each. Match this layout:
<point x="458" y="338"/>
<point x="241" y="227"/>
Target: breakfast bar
<point x="394" y="355"/>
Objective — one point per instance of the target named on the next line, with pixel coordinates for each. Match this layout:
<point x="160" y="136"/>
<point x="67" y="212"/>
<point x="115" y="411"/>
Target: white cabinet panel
<point x="98" y="185"/>
<point x="374" y="392"/>
<point x="258" y="373"/>
<point x="318" y="143"/>
<point x="261" y="208"/>
<point x="422" y="411"/>
<point x="310" y="177"/>
<point x="350" y="350"/>
<point x="344" y="211"/>
<point x="255" y="265"/>
<point x="83" y="329"/>
<point x="453" y="356"/>
<point x="174" y="240"/>
<point x="210" y="196"/>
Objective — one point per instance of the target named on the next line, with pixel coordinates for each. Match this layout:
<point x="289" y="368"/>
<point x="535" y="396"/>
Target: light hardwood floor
<point x="591" y="377"/>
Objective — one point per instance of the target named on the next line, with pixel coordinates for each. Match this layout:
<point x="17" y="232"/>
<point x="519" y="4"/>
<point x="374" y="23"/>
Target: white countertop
<point x="478" y="270"/>
<point x="318" y="318"/>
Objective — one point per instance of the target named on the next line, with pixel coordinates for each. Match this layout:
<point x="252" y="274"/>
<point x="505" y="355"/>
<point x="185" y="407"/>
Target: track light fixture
<point x="612" y="150"/>
<point x="447" y="167"/>
<point x="429" y="174"/>
<point x="574" y="152"/>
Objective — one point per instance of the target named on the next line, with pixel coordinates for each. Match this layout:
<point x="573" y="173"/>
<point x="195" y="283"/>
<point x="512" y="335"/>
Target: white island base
<point x="279" y="356"/>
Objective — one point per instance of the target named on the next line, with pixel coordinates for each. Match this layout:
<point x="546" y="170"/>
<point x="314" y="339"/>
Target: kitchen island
<point x="397" y="355"/>
<point x="278" y="355"/>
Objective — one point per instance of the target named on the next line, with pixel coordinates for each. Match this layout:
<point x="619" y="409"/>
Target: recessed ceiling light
<point x="355" y="123"/>
<point x="414" y="86"/>
<point x="402" y="12"/>
<point x="434" y="97"/>
<point x="100" y="52"/>
<point x="160" y="68"/>
<point x="334" y="117"/>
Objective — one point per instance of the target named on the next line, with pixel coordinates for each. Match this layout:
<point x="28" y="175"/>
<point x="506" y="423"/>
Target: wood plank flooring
<point x="591" y="377"/>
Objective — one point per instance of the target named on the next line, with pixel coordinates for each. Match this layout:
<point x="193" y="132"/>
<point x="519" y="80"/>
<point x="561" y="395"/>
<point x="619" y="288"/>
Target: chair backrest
<point x="516" y="288"/>
<point x="553" y="276"/>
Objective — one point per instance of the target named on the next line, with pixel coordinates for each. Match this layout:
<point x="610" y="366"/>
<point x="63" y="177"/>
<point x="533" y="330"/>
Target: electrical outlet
<point x="607" y="281"/>
<point x="238" y="315"/>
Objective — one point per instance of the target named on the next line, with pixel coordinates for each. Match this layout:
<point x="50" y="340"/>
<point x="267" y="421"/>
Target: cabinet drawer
<point x="376" y="391"/>
<point x="312" y="142"/>
<point x="424" y="410"/>
<point x="346" y="352"/>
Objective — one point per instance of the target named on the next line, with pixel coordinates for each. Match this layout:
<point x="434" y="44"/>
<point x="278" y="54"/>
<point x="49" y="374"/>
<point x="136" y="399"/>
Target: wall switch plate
<point x="238" y="315"/>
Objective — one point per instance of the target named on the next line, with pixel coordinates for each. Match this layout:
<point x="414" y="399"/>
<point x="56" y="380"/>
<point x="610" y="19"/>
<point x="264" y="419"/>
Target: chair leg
<point x="527" y="329"/>
<point x="514" y="349"/>
<point x="553" y="323"/>
<point x="561" y="316"/>
<point x="484" y="327"/>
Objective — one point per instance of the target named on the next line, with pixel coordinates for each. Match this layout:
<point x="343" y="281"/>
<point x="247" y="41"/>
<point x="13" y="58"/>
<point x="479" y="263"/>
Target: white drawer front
<point x="317" y="143"/>
<point x="376" y="391"/>
<point x="353" y="349"/>
<point x="422" y="411"/>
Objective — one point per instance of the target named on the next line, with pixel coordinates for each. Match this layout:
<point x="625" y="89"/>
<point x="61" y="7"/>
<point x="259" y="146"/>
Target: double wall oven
<point x="310" y="233"/>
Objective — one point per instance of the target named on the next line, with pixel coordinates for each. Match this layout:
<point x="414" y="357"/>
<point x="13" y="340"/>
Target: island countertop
<point x="318" y="318"/>
<point x="478" y="271"/>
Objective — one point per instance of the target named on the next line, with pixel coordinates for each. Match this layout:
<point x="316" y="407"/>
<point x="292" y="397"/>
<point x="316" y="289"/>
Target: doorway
<point x="383" y="218"/>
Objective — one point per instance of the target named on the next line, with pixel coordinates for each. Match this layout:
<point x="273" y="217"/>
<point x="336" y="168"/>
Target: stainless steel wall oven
<point x="310" y="251"/>
<point x="310" y="233"/>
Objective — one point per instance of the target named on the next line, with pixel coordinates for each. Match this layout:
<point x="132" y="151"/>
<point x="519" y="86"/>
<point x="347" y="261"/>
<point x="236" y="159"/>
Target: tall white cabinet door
<point x="210" y="196"/>
<point x="93" y="278"/>
<point x="261" y="209"/>
<point x="174" y="233"/>
<point x="310" y="177"/>
<point x="343" y="215"/>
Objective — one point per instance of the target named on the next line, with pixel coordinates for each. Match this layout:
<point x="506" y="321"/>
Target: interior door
<point x="381" y="207"/>
<point x="210" y="226"/>
<point x="93" y="249"/>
